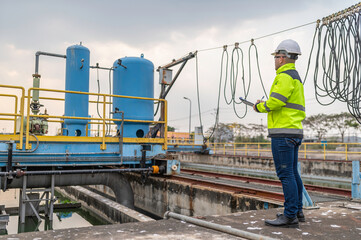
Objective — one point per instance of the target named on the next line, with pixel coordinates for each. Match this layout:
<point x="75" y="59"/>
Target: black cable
<point x="224" y="53"/>
<point x="337" y="63"/>
<point x="258" y="68"/>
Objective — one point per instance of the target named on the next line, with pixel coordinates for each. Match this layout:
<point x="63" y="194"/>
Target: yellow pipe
<point x="346" y="150"/>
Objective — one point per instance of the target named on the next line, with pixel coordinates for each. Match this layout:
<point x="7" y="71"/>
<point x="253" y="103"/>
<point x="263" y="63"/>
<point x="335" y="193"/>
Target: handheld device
<point x="246" y="102"/>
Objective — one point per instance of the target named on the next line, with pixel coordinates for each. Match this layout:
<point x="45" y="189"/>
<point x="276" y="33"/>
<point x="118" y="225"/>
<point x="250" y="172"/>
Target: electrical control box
<point x="165" y="76"/>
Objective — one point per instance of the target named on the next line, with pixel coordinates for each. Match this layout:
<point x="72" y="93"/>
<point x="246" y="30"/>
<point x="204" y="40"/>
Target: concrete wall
<point x="104" y="207"/>
<point x="312" y="167"/>
<point x="158" y="195"/>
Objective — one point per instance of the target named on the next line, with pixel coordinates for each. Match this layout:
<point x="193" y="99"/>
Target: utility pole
<point x="190" y="116"/>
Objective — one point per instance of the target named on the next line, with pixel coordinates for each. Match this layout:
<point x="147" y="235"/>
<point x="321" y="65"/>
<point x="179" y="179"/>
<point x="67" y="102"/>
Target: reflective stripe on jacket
<point x="286" y="105"/>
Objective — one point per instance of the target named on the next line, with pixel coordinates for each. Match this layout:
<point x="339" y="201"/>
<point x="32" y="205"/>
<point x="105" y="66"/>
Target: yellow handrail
<point x="263" y="147"/>
<point x="60" y="119"/>
<point x="103" y="119"/>
<point x="20" y="146"/>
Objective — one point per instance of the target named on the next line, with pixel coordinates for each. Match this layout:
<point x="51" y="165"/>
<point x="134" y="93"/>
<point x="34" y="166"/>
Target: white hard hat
<point x="288" y="47"/>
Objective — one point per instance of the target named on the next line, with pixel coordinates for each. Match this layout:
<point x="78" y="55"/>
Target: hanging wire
<point x="258" y="68"/>
<point x="258" y="38"/>
<point x="338" y="58"/>
<point x="224" y="55"/>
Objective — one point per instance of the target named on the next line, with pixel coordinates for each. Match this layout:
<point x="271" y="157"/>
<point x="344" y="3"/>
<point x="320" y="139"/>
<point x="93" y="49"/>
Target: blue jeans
<point x="285" y="157"/>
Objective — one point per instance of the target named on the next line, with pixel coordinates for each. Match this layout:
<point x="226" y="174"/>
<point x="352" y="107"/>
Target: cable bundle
<point x="337" y="59"/>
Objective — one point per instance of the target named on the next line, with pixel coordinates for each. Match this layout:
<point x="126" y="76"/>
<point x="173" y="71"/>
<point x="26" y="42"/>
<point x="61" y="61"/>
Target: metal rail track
<point x="276" y="197"/>
<point x="309" y="187"/>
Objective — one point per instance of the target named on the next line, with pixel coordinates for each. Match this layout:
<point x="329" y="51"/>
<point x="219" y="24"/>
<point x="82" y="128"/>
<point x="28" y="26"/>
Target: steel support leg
<point x="52" y="198"/>
<point x="22" y="200"/>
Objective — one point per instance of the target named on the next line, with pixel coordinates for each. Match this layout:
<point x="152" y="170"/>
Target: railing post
<point x="305" y="148"/>
<point x="103" y="146"/>
<point x="246" y="150"/>
<point x="224" y="148"/>
<point x="346" y="145"/>
<point x="16" y="110"/>
<point x="324" y="151"/>
<point x="234" y="148"/>
<point x="258" y="149"/>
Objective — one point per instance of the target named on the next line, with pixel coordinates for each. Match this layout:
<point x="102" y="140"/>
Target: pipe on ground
<point x="217" y="227"/>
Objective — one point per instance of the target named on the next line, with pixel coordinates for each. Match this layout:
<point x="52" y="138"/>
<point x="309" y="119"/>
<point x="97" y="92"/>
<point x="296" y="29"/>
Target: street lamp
<point x="190" y="114"/>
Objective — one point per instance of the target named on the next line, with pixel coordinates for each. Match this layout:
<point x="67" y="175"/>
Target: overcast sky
<point x="162" y="31"/>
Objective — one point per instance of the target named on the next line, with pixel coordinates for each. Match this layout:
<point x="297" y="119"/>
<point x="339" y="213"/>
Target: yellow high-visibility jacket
<point x="286" y="105"/>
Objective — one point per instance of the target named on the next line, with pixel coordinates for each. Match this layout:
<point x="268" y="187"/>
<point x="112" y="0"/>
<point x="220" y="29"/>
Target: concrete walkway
<point x="336" y="220"/>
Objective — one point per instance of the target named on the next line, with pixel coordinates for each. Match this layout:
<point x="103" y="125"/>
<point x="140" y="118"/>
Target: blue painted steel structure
<point x="134" y="76"/>
<point x="79" y="154"/>
<point x="77" y="79"/>
<point x="356" y="180"/>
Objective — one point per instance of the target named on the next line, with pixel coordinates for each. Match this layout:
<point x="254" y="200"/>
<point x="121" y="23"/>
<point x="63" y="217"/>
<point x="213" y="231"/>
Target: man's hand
<point x="254" y="106"/>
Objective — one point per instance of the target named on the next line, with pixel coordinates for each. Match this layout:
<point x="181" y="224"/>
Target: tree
<point x="318" y="123"/>
<point x="170" y="129"/>
<point x="342" y="122"/>
<point x="222" y="133"/>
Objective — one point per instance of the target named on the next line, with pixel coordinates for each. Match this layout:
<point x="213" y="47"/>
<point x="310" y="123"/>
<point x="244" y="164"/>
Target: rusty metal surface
<point x="309" y="187"/>
<point x="230" y="187"/>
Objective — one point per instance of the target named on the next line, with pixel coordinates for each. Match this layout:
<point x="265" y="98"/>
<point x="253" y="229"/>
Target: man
<point x="286" y="110"/>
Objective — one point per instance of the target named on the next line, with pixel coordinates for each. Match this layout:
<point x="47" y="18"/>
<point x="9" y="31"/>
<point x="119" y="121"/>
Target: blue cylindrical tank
<point x="77" y="79"/>
<point x="134" y="76"/>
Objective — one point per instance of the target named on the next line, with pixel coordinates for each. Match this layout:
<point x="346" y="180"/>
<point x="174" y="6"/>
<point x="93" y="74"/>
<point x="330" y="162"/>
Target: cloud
<point x="162" y="30"/>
